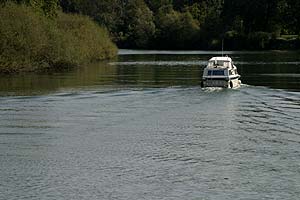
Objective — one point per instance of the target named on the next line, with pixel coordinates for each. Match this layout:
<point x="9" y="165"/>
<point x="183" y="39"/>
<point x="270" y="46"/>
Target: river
<point x="140" y="127"/>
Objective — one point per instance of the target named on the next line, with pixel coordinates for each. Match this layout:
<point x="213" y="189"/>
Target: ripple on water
<point x="153" y="143"/>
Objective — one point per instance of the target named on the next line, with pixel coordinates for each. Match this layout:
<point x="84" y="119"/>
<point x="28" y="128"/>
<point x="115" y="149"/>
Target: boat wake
<point x="213" y="89"/>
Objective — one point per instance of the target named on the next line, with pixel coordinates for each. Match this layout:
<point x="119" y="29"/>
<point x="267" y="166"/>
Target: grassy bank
<point x="30" y="41"/>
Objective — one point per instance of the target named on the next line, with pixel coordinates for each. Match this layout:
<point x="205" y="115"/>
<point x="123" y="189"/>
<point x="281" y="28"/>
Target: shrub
<point x="85" y="37"/>
<point x="259" y="40"/>
<point x="234" y="40"/>
<point x="22" y="36"/>
<point x="30" y="41"/>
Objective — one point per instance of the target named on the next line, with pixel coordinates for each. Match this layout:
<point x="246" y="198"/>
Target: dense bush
<point x="282" y="43"/>
<point x="259" y="40"/>
<point x="85" y="39"/>
<point x="234" y="40"/>
<point x="31" y="41"/>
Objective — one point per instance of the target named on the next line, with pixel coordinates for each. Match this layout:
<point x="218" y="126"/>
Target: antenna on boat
<point x="222" y="46"/>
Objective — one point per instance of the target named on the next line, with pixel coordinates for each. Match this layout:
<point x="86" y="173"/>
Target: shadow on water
<point x="146" y="69"/>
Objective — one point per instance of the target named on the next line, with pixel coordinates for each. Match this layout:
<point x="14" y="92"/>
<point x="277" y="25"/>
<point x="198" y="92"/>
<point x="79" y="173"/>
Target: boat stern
<point x="215" y="83"/>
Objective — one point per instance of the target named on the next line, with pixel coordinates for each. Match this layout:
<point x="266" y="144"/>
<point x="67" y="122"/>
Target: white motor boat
<point x="220" y="72"/>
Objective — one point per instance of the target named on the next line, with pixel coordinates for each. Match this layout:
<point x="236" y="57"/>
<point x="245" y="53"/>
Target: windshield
<point x="215" y="73"/>
<point x="216" y="63"/>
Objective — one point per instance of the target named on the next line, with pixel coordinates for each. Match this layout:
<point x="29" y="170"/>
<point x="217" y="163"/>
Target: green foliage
<point x="50" y="7"/>
<point x="175" y="29"/>
<point x="256" y="15"/>
<point x="130" y="22"/>
<point x="20" y="32"/>
<point x="259" y="40"/>
<point x="155" y="5"/>
<point x="31" y="41"/>
<point x="47" y="7"/>
<point x="139" y="22"/>
<point x="85" y="40"/>
<point x="292" y="16"/>
<point x="234" y="40"/>
<point x="108" y="13"/>
<point x="198" y="11"/>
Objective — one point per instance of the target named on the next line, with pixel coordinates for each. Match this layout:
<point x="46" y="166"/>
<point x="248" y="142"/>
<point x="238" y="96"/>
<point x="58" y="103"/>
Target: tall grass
<point x="30" y="41"/>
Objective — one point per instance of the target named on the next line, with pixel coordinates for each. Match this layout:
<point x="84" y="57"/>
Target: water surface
<point x="140" y="127"/>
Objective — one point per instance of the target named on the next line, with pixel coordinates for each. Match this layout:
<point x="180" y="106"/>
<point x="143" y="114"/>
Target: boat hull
<point x="234" y="83"/>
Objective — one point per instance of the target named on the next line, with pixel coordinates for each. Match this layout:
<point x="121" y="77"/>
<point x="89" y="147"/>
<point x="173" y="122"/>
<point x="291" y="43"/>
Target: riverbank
<point x="31" y="41"/>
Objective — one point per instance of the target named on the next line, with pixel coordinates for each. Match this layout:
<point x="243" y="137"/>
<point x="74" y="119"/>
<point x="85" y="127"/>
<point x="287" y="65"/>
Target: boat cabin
<point x="220" y="72"/>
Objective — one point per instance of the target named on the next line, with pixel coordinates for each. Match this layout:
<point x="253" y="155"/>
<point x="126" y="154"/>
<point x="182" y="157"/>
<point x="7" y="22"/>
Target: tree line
<point x="195" y="24"/>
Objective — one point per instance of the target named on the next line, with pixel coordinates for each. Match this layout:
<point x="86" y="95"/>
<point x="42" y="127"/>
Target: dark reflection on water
<point x="140" y="127"/>
<point x="133" y="69"/>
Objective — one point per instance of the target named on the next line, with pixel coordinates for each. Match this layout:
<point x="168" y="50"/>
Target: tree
<point x="47" y="7"/>
<point x="108" y="13"/>
<point x="139" y="22"/>
<point x="199" y="11"/>
<point x="292" y="17"/>
<point x="154" y="5"/>
<point x="257" y="15"/>
<point x="176" y="30"/>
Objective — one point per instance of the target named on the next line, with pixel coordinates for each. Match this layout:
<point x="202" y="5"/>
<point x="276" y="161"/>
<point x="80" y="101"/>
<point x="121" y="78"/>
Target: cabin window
<point x="222" y="63"/>
<point x="218" y="73"/>
<point x="227" y="64"/>
<point x="215" y="73"/>
<point x="219" y="63"/>
<point x="215" y="63"/>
